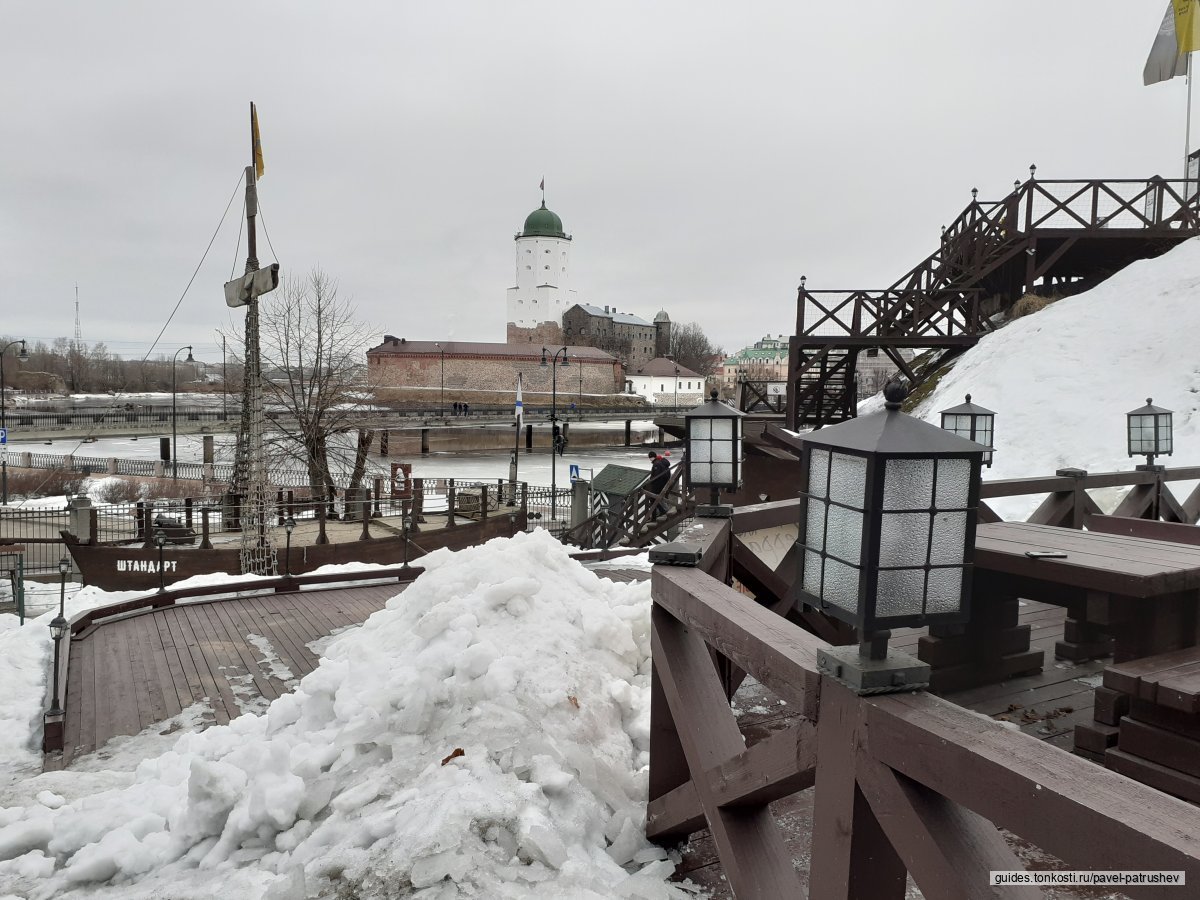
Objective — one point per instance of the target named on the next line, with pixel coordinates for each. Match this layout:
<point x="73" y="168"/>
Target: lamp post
<point x="23" y="356"/>
<point x="160" y="541"/>
<point x="887" y="535"/>
<point x="174" y="445"/>
<point x="713" y="451"/>
<point x="58" y="630"/>
<point x="973" y="422"/>
<point x="289" y="525"/>
<point x="442" y="370"/>
<point x="1150" y="434"/>
<point x="551" y="360"/>
<point x="406" y="524"/>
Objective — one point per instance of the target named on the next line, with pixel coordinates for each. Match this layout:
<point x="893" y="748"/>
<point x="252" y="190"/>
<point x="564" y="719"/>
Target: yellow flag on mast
<point x="1187" y="24"/>
<point x="256" y="143"/>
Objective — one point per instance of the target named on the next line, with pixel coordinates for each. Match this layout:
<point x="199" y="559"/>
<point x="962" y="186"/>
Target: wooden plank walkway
<point x="233" y="656"/>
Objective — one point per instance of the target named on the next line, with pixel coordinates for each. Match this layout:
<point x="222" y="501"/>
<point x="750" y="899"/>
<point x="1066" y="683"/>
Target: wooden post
<point x="628" y="432"/>
<point x="139" y="518"/>
<point x="1079" y="506"/>
<point x="205" y="543"/>
<point x="366" y="517"/>
<point x="378" y="495"/>
<point x="424" y="441"/>
<point x="93" y="526"/>
<point x="280" y="515"/>
<point x="187" y="512"/>
<point x="483" y="502"/>
<point x="418" y="504"/>
<point x="852" y="859"/>
<point x="529" y="438"/>
<point x="450" y="503"/>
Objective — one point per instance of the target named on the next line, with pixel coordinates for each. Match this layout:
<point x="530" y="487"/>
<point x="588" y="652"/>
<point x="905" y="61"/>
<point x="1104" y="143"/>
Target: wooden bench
<point x="1147" y="722"/>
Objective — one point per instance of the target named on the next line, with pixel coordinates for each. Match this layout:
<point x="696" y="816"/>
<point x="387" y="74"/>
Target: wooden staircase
<point x="635" y="523"/>
<point x="1056" y="237"/>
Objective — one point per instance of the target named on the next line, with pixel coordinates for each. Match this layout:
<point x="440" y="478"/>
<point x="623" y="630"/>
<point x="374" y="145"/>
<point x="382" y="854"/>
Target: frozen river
<point x="477" y="464"/>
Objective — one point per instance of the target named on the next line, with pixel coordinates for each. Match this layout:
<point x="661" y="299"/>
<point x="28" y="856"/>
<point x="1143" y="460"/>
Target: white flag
<point x="1165" y="60"/>
<point x="520" y="408"/>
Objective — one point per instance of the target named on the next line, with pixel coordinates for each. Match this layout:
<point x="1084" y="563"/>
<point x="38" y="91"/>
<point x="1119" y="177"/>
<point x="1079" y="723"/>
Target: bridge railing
<point x="904" y="784"/>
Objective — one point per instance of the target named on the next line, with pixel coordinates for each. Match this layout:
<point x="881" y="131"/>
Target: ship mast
<point x="250" y="467"/>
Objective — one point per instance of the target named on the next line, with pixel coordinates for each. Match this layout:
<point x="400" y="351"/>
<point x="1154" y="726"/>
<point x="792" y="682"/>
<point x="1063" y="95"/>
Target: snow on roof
<point x="490" y="727"/>
<point x="661" y="367"/>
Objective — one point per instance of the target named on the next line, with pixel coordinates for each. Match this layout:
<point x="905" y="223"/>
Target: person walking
<point x="660" y="473"/>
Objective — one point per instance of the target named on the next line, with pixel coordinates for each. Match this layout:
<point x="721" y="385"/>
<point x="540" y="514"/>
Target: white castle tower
<point x="541" y="295"/>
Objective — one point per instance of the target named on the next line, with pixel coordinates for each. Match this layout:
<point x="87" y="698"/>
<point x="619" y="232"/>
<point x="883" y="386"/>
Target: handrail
<point x="905" y="784"/>
<point x="276" y="584"/>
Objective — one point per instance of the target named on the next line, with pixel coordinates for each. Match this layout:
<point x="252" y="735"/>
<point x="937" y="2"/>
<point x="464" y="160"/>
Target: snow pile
<point x="1061" y="380"/>
<point x="486" y="735"/>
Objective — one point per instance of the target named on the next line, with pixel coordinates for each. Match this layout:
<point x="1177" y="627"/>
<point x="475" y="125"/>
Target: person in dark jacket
<point x="660" y="473"/>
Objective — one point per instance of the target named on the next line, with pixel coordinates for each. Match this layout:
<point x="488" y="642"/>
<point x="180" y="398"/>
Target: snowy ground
<point x="485" y="735"/>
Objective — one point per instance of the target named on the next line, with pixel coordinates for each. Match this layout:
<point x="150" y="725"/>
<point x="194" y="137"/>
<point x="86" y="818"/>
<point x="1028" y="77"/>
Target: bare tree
<point x="314" y="379"/>
<point x="691" y="347"/>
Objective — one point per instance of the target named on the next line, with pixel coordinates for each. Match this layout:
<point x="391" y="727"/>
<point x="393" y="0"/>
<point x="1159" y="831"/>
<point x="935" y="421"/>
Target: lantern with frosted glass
<point x="1149" y="432"/>
<point x="714" y="449"/>
<point x="887" y="531"/>
<point x="973" y="422"/>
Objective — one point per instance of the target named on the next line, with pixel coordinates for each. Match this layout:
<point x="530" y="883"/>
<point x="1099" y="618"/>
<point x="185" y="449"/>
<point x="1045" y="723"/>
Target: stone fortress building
<point x="542" y="311"/>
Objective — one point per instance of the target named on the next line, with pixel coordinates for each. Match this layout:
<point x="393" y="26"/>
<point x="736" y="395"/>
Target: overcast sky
<point x="704" y="155"/>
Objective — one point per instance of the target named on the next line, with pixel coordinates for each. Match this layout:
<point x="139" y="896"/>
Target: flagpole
<point x="1187" y="138"/>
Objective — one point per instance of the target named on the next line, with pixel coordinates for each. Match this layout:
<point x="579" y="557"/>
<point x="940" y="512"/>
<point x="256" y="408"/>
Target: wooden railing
<point x="1068" y="503"/>
<point x="904" y="784"/>
<point x="846" y="317"/>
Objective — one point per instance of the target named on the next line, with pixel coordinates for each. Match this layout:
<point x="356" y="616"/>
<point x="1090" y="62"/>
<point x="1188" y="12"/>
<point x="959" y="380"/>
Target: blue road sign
<point x="3" y="435"/>
<point x="574" y="472"/>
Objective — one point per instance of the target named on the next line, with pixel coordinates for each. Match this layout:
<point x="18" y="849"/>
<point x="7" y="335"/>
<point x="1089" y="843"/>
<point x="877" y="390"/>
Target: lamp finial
<point x="968" y="398"/>
<point x="1149" y="401"/>
<point x="712" y="395"/>
<point x="894" y="393"/>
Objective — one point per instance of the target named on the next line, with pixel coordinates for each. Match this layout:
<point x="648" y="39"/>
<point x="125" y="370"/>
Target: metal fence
<point x="38" y="531"/>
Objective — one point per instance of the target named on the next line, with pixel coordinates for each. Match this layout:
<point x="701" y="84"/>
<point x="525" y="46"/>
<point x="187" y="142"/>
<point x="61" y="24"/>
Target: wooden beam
<point x="751" y="848"/>
<point x="1086" y="816"/>
<point x="1137" y="502"/>
<point x="775" y="767"/>
<point x="1055" y="509"/>
<point x="780" y="655"/>
<point x="947" y="849"/>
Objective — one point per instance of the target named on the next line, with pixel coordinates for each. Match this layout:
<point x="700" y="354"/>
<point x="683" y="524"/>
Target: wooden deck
<point x="233" y="656"/>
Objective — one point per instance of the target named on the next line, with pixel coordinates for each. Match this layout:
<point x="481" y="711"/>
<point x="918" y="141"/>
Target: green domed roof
<point x="543" y="223"/>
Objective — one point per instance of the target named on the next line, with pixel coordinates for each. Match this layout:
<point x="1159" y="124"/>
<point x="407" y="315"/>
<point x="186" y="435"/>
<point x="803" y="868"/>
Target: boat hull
<point x="135" y="567"/>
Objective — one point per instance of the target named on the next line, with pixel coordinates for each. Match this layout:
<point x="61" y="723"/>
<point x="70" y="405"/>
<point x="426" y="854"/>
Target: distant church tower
<point x="541" y="295"/>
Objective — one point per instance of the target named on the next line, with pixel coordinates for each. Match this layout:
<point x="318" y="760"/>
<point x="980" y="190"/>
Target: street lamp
<point x="551" y="360"/>
<point x="442" y="395"/>
<point x="174" y="445"/>
<point x="288" y="525"/>
<point x="23" y="356"/>
<point x="713" y="451"/>
<point x="1150" y="433"/>
<point x="887" y="535"/>
<point x="160" y="541"/>
<point x="973" y="422"/>
<point x="58" y="630"/>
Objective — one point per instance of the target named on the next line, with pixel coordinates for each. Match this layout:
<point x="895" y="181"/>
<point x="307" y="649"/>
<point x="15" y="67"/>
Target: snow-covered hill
<point x="1061" y="380"/>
